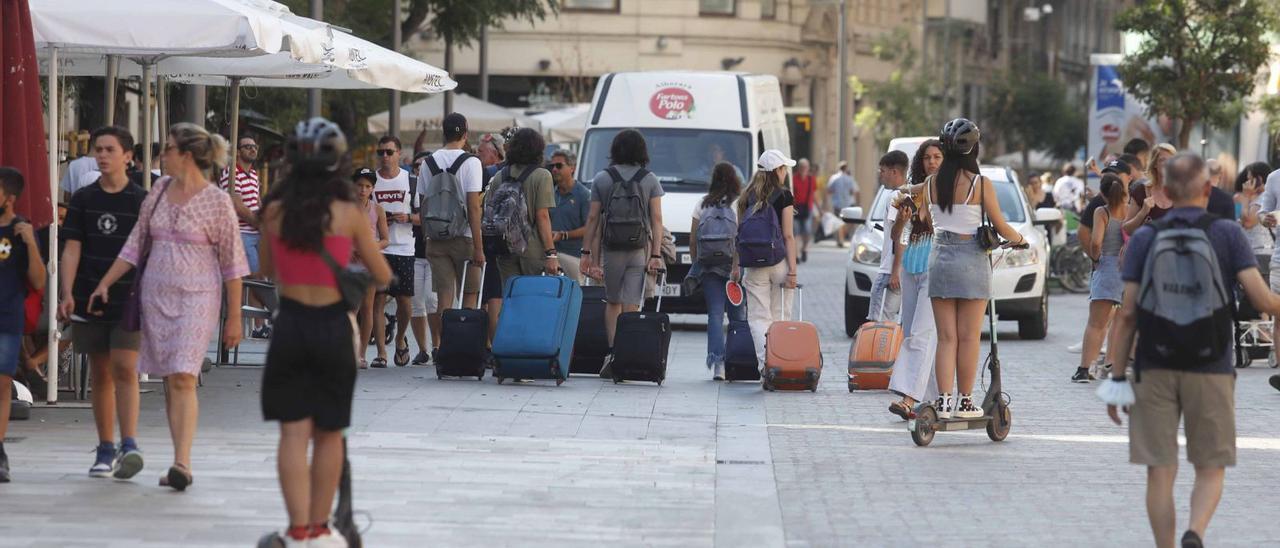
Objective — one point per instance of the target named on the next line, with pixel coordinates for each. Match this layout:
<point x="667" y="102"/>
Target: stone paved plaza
<point x="692" y="463"/>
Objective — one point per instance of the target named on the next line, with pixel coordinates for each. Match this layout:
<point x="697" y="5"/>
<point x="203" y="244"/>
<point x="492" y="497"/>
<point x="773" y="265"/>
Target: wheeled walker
<point x="996" y="417"/>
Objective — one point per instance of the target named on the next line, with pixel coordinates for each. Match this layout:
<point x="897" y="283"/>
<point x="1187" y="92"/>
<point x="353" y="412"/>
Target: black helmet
<point x="960" y="136"/>
<point x="316" y="143"/>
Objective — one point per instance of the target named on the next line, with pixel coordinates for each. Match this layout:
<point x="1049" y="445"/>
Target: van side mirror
<point x="1047" y="216"/>
<point x="853" y="215"/>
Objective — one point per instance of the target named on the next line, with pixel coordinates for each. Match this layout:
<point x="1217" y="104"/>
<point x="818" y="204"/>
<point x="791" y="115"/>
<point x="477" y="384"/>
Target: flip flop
<point x="178" y="478"/>
<point x="379" y="363"/>
<point x="900" y="409"/>
<point x="402" y="356"/>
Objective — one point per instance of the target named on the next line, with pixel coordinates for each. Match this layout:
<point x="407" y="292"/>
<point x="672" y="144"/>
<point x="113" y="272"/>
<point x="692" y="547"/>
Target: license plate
<point x="669" y="290"/>
<point x="686" y="258"/>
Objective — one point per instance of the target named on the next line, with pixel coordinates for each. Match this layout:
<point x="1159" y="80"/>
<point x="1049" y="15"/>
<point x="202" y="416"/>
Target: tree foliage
<point x="903" y="104"/>
<point x="1032" y="112"/>
<point x="1197" y="57"/>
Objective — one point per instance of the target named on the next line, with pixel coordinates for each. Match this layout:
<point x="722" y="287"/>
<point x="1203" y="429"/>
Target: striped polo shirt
<point x="248" y="187"/>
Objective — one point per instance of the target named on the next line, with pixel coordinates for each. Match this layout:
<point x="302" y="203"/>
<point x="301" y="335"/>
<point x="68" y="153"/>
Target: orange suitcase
<point x="792" y="355"/>
<point x="875" y="347"/>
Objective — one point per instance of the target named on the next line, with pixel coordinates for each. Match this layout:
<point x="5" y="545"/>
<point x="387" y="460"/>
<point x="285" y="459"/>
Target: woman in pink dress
<point x="195" y="249"/>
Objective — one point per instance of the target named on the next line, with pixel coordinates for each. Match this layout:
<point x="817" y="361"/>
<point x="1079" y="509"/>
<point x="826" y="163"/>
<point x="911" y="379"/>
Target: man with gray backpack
<point x="517" y="219"/>
<point x="1180" y="273"/>
<point x="450" y="188"/>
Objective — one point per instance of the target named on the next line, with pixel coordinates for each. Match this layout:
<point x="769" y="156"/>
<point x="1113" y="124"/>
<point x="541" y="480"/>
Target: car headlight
<point x="865" y="254"/>
<point x="1021" y="257"/>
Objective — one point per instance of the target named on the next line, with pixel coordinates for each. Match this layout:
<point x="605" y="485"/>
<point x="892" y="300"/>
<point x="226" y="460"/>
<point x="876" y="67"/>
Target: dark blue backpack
<point x="760" y="236"/>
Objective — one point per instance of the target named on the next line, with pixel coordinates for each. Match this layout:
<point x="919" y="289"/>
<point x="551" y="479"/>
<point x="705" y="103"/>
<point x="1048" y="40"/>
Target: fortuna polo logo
<point x="6" y="247"/>
<point x="672" y="103"/>
<point x="107" y="224"/>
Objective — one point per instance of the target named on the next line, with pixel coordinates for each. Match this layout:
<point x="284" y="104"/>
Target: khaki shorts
<point x="1205" y="402"/>
<point x="446" y="258"/>
<point x="99" y="337"/>
<point x="510" y="266"/>
<point x="572" y="267"/>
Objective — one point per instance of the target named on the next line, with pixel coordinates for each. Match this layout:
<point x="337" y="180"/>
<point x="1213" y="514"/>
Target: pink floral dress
<point x="195" y="247"/>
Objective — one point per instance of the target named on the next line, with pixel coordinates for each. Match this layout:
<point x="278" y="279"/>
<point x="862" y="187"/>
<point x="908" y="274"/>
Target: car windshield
<point x="1006" y="191"/>
<point x="681" y="158"/>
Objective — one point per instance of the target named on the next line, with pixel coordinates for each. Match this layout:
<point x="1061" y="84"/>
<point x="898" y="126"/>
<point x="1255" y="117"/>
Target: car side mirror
<point x="1047" y="216"/>
<point x="853" y="215"/>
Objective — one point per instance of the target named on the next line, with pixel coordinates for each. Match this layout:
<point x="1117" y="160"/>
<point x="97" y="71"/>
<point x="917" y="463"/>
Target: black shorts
<point x="492" y="288"/>
<point x="402" y="270"/>
<point x="311" y="366"/>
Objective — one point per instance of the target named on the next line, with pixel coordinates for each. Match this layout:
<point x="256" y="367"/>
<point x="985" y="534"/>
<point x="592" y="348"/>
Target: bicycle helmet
<point x="316" y="143"/>
<point x="960" y="136"/>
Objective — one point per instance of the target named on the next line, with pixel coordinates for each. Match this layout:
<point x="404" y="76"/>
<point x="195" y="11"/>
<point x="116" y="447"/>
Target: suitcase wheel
<point x="480" y="377"/>
<point x="659" y="381"/>
<point x="559" y="382"/>
<point x="439" y="376"/>
<point x="500" y="379"/>
<point x="852" y="387"/>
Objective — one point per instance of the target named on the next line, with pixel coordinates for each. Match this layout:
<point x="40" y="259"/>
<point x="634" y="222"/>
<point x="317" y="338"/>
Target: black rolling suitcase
<point x="592" y="342"/>
<point x="640" y="343"/>
<point x="464" y="336"/>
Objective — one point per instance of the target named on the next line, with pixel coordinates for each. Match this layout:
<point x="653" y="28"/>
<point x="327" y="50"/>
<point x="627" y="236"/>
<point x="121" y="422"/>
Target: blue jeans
<point x="717" y="305"/>
<point x="251" y="250"/>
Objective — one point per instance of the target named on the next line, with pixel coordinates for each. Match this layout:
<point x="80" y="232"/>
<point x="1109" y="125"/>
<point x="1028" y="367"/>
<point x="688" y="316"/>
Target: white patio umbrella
<point x="565" y="125"/>
<point x="147" y="30"/>
<point x="482" y="117"/>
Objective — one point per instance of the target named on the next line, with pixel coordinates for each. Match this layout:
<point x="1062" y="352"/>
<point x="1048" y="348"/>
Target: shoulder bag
<point x="131" y="316"/>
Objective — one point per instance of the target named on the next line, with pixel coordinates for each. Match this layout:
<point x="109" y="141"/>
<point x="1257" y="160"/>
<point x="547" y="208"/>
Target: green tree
<point x="1032" y="112"/>
<point x="903" y="104"/>
<point x="1197" y="57"/>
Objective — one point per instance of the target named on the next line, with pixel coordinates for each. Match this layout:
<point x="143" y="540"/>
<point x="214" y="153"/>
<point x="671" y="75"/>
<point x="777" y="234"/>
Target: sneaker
<point x="128" y="463"/>
<point x="1076" y="348"/>
<point x="102" y="464"/>
<point x="1191" y="540"/>
<point x="4" y="468"/>
<point x="943" y="406"/>
<point x="1081" y="376"/>
<point x="422" y="358"/>
<point x="329" y="539"/>
<point x="435" y="351"/>
<point x="263" y="332"/>
<point x="1275" y="382"/>
<point x="966" y="409"/>
<point x="606" y="372"/>
<point x="718" y="374"/>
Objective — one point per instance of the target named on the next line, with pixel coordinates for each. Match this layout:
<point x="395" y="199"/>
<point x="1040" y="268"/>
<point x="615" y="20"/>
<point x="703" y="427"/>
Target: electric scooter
<point x="996" y="417"/>
<point x="343" y="520"/>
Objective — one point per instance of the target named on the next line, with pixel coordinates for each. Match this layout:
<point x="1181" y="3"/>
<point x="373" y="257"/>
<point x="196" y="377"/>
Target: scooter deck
<point x="951" y="425"/>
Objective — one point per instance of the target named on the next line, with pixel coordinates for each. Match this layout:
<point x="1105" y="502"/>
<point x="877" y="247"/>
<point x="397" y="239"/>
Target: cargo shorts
<point x="1204" y="402"/>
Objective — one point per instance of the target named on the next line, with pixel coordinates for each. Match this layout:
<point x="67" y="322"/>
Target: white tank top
<point x="964" y="217"/>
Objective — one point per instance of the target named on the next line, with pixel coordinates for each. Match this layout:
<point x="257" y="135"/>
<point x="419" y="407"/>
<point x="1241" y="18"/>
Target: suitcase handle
<point x="462" y="285"/>
<point x="662" y="283"/>
<point x="799" y="300"/>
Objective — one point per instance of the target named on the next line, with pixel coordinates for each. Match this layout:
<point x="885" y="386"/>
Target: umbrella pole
<point x="162" y="111"/>
<point x="148" y="69"/>
<point x="113" y="72"/>
<point x="51" y="295"/>
<point x="235" y="112"/>
<point x="224" y="352"/>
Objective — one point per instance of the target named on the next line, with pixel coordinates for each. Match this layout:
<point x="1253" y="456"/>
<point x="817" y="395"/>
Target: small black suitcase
<point x="464" y="339"/>
<point x="592" y="342"/>
<point x="641" y="342"/>
<point x="740" y="363"/>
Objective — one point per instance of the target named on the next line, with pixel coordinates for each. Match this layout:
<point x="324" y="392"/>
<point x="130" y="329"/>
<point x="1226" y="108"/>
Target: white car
<point x="1019" y="279"/>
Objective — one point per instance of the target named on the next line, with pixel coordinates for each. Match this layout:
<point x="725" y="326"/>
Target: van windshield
<point x="681" y="158"/>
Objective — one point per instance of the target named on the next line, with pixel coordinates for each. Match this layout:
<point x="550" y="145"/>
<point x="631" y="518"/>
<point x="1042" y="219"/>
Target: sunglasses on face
<point x="386" y="151"/>
<point x="555" y="166"/>
<point x="248" y="147"/>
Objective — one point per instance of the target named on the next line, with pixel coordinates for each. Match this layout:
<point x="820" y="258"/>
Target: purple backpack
<point x="760" y="236"/>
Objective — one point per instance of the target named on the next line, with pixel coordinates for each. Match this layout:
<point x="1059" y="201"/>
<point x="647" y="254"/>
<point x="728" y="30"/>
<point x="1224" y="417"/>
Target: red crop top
<point x="296" y="267"/>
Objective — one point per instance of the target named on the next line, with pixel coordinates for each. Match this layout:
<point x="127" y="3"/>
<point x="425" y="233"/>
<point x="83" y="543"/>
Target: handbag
<point x="352" y="284"/>
<point x="131" y="314"/>
<point x="986" y="235"/>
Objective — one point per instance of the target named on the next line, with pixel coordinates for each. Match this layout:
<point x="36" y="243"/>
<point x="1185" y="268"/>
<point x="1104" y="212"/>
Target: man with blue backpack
<point x="1180" y="273"/>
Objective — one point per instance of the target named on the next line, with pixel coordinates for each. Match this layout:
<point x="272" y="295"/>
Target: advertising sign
<point x="1115" y="116"/>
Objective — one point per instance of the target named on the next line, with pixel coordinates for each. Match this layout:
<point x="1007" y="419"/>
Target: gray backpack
<point x="626" y="213"/>
<point x="1185" y="309"/>
<point x="505" y="225"/>
<point x="717" y="232"/>
<point x="445" y="214"/>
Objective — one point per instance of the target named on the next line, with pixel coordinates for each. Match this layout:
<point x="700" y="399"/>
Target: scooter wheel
<point x="998" y="427"/>
<point x="922" y="429"/>
<point x="271" y="540"/>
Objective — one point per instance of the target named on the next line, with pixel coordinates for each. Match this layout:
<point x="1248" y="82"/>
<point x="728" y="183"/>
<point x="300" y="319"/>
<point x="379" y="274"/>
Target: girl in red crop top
<point x="309" y="379"/>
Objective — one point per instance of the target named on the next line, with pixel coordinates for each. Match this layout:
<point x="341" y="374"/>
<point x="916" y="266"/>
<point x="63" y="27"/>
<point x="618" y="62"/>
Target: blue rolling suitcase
<point x="537" y="328"/>
<point x="740" y="363"/>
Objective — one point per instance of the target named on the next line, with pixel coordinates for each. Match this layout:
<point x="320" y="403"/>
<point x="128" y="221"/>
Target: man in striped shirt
<point x="245" y="196"/>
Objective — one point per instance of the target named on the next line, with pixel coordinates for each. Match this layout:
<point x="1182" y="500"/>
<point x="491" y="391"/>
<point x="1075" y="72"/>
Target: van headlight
<point x="1021" y="257"/>
<point x="866" y="254"/>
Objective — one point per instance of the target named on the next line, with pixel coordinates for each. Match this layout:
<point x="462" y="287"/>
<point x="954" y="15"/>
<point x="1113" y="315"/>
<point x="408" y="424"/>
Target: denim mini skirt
<point x="1105" y="283"/>
<point x="958" y="268"/>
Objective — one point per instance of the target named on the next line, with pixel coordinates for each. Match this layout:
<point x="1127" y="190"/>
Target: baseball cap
<point x="773" y="159"/>
<point x="365" y="173"/>
<point x="1117" y="167"/>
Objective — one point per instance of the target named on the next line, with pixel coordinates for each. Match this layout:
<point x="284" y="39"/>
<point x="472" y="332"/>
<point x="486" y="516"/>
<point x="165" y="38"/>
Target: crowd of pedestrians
<point x="146" y="276"/>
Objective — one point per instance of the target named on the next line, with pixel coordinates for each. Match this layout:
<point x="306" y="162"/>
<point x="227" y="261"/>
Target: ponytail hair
<point x="208" y="150"/>
<point x="1113" y="191"/>
<point x="763" y="184"/>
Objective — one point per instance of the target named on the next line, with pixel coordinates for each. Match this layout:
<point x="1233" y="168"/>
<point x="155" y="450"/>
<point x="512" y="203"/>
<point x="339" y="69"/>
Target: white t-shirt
<point x="886" y="252"/>
<point x="81" y="172"/>
<point x="470" y="175"/>
<point x="393" y="195"/>
<point x="1067" y="190"/>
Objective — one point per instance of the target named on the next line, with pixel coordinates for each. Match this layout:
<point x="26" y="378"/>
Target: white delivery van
<point x="690" y="121"/>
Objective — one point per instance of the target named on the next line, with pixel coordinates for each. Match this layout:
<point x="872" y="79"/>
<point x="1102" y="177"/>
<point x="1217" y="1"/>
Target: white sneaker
<point x="966" y="409"/>
<point x="331" y="540"/>
<point x="718" y="374"/>
<point x="943" y="406"/>
<point x="1076" y="348"/>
